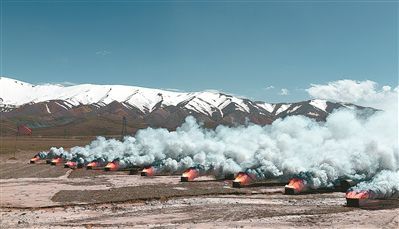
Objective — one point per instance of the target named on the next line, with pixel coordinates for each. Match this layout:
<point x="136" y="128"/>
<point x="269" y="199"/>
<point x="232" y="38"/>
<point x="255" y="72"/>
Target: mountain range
<point x="88" y="109"/>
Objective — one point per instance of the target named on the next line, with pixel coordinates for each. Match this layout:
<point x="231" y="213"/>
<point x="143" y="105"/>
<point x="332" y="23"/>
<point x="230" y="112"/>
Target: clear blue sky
<point x="237" y="47"/>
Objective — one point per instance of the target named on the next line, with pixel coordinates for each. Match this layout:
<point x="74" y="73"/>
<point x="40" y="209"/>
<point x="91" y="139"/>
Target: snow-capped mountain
<point x="15" y="93"/>
<point x="49" y="105"/>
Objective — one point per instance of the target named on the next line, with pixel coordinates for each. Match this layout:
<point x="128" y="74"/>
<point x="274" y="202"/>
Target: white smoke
<point x="384" y="185"/>
<point x="345" y="146"/>
<point x="364" y="93"/>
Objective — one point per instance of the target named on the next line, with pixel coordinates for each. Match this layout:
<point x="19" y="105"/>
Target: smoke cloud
<point x="384" y="185"/>
<point x="345" y="146"/>
<point x="364" y="93"/>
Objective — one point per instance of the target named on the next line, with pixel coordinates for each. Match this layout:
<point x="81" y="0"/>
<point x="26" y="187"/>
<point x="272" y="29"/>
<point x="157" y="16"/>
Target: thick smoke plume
<point x="345" y="146"/>
<point x="384" y="185"/>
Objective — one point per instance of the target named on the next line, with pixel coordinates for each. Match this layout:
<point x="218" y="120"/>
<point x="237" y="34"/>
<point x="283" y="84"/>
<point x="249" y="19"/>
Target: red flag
<point x="24" y="130"/>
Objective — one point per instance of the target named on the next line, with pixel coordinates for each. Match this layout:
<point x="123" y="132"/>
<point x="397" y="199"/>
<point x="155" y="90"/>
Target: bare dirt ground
<point x="44" y="196"/>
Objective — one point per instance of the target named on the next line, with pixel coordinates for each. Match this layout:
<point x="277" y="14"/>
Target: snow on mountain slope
<point x="14" y="93"/>
<point x="17" y="93"/>
<point x="266" y="106"/>
<point x="321" y="104"/>
<point x="282" y="108"/>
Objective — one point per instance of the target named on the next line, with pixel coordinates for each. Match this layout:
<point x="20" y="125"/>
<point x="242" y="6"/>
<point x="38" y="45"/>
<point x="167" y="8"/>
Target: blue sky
<point x="237" y="47"/>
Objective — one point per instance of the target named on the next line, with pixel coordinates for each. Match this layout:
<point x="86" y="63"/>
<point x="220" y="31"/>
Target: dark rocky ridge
<point x="106" y="119"/>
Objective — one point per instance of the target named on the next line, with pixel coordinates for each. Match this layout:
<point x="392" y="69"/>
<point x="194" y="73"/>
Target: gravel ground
<point x="15" y="169"/>
<point x="248" y="211"/>
<point x="43" y="196"/>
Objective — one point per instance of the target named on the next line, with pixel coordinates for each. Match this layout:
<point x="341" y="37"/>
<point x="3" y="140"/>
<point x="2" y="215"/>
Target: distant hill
<point x="89" y="109"/>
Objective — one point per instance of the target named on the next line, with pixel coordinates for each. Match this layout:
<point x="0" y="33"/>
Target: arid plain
<point x="41" y="195"/>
